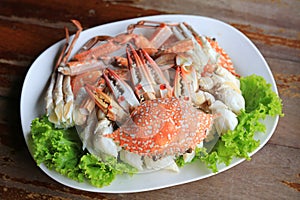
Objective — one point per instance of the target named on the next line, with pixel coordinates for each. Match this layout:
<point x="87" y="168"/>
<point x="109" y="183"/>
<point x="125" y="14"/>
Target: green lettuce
<point x="260" y="101"/>
<point x="61" y="150"/>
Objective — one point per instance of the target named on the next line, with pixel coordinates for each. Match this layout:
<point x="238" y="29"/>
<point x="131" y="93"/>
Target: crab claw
<point x="161" y="85"/>
<point x="186" y="86"/>
<point x="140" y="75"/>
<point x="188" y="70"/>
<point x="121" y="90"/>
<point x="147" y="77"/>
<point x="182" y="88"/>
<point x="107" y="104"/>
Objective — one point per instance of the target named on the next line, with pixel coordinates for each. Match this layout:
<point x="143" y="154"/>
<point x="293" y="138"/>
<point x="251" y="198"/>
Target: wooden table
<point x="28" y="27"/>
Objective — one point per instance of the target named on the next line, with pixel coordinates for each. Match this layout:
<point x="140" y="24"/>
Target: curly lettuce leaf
<point x="101" y="173"/>
<point x="259" y="95"/>
<point x="60" y="150"/>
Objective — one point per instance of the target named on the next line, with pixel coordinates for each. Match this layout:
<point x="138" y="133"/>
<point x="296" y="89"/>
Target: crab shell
<point x="162" y="127"/>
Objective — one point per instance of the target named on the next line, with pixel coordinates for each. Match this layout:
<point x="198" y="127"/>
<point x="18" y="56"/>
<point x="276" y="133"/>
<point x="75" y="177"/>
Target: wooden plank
<point x="11" y="79"/>
<point x="56" y="13"/>
<point x="34" y="39"/>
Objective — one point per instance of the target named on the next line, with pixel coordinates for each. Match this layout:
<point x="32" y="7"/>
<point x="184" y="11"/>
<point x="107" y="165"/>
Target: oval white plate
<point x="246" y="57"/>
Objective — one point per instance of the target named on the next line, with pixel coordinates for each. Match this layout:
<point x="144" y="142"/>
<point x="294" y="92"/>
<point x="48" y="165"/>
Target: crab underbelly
<point x="162" y="127"/>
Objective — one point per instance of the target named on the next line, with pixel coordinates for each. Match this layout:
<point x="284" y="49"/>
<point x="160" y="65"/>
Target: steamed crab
<point x="145" y="99"/>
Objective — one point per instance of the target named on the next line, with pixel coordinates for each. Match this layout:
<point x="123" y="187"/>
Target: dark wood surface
<point x="28" y="27"/>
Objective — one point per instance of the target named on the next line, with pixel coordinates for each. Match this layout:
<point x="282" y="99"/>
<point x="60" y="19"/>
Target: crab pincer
<point x="182" y="89"/>
<point x="161" y="85"/>
<point x="121" y="90"/>
<point x="107" y="104"/>
<point x="140" y="75"/>
<point x="147" y="78"/>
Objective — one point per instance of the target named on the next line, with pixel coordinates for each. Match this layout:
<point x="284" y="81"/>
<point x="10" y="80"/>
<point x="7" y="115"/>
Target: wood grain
<point x="28" y="27"/>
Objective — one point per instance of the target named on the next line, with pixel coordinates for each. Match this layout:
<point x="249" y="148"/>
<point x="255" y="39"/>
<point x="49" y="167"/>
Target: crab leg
<point x="63" y="58"/>
<point x="224" y="59"/>
<point x="60" y="98"/>
<point x="121" y="90"/>
<point x="100" y="46"/>
<point x="79" y="29"/>
<point x="69" y="99"/>
<point x="161" y="34"/>
<point x="186" y="81"/>
<point x="57" y="115"/>
<point x="73" y="68"/>
<point x="141" y="79"/>
<point x="181" y="87"/>
<point x="97" y="47"/>
<point x="188" y="70"/>
<point x="64" y="107"/>
<point x="180" y="46"/>
<point x="84" y="105"/>
<point x="49" y="96"/>
<point x="161" y="85"/>
<point x="93" y="42"/>
<point x="108" y="106"/>
<point x="186" y="87"/>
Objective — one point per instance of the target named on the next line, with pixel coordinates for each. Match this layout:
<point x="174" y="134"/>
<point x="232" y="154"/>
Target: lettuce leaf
<point x="101" y="173"/>
<point x="60" y="150"/>
<point x="259" y="95"/>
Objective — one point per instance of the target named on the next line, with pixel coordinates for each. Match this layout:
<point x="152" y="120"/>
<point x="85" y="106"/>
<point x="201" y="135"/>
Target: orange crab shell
<point x="161" y="127"/>
<point x="224" y="59"/>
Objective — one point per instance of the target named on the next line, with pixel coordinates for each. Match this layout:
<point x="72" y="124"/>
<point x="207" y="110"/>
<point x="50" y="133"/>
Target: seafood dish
<point x="155" y="97"/>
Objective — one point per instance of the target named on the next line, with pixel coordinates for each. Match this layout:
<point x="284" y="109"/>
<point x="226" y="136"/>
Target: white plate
<point x="246" y="57"/>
